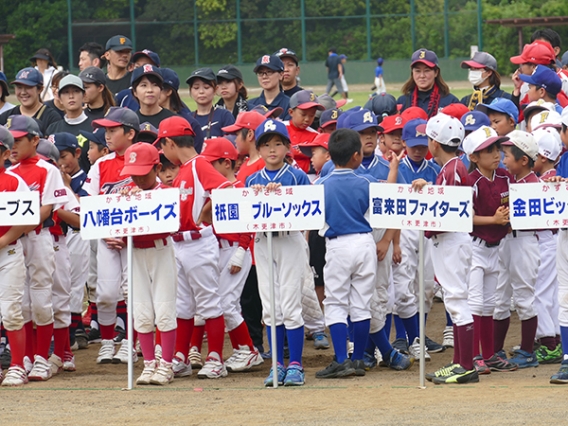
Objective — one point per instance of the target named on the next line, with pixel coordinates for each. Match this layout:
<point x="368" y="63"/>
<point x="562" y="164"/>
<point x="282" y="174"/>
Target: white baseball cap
<point x="480" y="139"/>
<point x="524" y="141"/>
<point x="445" y="129"/>
<point x="564" y="116"/>
<point x="545" y="119"/>
<point x="549" y="142"/>
<point x="537" y="106"/>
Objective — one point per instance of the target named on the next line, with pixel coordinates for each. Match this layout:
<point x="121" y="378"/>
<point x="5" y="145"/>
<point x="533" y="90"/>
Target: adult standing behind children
<point x="426" y="88"/>
<point x="232" y="90"/>
<point x="291" y="71"/>
<point x="269" y="70"/>
<point x="91" y="55"/>
<point x="98" y="98"/>
<point x="334" y="72"/>
<point x="43" y="62"/>
<point x="147" y="85"/>
<point x="118" y="52"/>
<point x="4" y="93"/>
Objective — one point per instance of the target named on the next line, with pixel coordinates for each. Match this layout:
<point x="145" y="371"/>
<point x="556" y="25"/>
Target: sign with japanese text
<point x="115" y="215"/>
<point x="538" y="205"/>
<point x="19" y="208"/>
<point x="434" y="208"/>
<point x="290" y="208"/>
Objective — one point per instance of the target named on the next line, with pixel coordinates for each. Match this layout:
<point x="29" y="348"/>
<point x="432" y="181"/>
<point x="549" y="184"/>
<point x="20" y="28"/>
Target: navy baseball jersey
<point x="377" y="168"/>
<point x="287" y="176"/>
<point x="411" y="171"/>
<point x="77" y="181"/>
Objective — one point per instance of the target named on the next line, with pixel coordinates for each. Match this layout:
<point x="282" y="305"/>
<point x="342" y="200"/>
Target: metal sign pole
<point x="272" y="311"/>
<point x="421" y="307"/>
<point x="129" y="317"/>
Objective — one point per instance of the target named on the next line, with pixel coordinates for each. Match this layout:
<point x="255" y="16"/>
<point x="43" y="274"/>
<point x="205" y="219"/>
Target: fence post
<point x="69" y="34"/>
<point x="413" y="24"/>
<point x="368" y="12"/>
<point x="446" y="31"/>
<point x="303" y="24"/>
<point x="195" y="33"/>
<point x="132" y="26"/>
<point x="239" y="41"/>
<point x="479" y="26"/>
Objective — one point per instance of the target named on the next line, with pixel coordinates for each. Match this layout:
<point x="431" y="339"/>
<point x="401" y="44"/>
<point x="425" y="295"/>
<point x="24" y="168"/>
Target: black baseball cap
<point x="153" y="56"/>
<point x="272" y="62"/>
<point x="206" y="74"/>
<point x="170" y="78"/>
<point x="118" y="116"/>
<point x="118" y="42"/>
<point x="382" y="105"/>
<point x="286" y="53"/>
<point x="229" y="72"/>
<point x="146" y="70"/>
<point x="98" y="136"/>
<point x="93" y="75"/>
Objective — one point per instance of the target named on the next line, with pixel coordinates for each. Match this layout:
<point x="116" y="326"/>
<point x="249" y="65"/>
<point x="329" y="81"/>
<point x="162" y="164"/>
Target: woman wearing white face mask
<point x="485" y="80"/>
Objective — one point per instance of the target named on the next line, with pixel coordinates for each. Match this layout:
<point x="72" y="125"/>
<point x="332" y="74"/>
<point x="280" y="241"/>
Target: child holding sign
<point x="273" y="143"/>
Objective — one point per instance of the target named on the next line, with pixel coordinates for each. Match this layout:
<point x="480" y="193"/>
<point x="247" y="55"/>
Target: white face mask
<point x="475" y="77"/>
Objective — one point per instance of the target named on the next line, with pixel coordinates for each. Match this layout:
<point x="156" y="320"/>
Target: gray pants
<point x="336" y="82"/>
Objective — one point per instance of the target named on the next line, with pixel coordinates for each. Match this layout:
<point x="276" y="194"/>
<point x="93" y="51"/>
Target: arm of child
<point x="397" y="252"/>
<point x="501" y="217"/>
<point x="418" y="184"/>
<point x="45" y="212"/>
<point x="384" y="243"/>
<point x="394" y="162"/>
<point x="13" y="234"/>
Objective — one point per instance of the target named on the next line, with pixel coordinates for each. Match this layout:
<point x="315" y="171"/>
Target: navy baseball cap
<point x="501" y="105"/>
<point x="4" y="84"/>
<point x="63" y="141"/>
<point x="229" y="72"/>
<point x="361" y="120"/>
<point x="271" y="62"/>
<point x="329" y="116"/>
<point x="205" y="74"/>
<point x="146" y="70"/>
<point x="544" y="77"/>
<point x="342" y="56"/>
<point x="473" y="120"/>
<point x="6" y="138"/>
<point x="305" y="99"/>
<point x="286" y="53"/>
<point x="342" y="122"/>
<point x="153" y="56"/>
<point x="148" y="133"/>
<point x="271" y="127"/>
<point x="118" y="116"/>
<point x="118" y="42"/>
<point x="268" y="113"/>
<point x="29" y="77"/>
<point x="170" y="78"/>
<point x="22" y="125"/>
<point x="425" y="56"/>
<point x="98" y="136"/>
<point x="382" y="105"/>
<point x="414" y="133"/>
<point x="93" y="75"/>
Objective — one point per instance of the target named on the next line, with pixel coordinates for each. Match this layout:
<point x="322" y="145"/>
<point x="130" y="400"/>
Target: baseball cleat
<point x="336" y="370"/>
<point x="195" y="358"/>
<point x="414" y="351"/>
<point x="398" y="361"/>
<point x="480" y="365"/>
<point x="320" y="340"/>
<point x="445" y="371"/>
<point x="448" y="341"/>
<point x="499" y="362"/>
<point x="281" y="372"/>
<point x="560" y="378"/>
<point x="524" y="359"/>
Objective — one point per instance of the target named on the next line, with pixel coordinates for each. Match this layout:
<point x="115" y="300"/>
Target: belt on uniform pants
<point x="223" y="243"/>
<point x="186" y="236"/>
<point x="278" y="233"/>
<point x="519" y="233"/>
<point x="150" y="244"/>
<point x="489" y="245"/>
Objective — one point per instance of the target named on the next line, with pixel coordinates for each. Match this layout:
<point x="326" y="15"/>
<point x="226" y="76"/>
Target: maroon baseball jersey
<point x="548" y="174"/>
<point x="488" y="196"/>
<point x="530" y="178"/>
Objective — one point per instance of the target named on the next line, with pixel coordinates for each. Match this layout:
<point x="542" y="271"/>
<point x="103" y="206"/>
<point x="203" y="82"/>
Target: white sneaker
<point x="414" y="350"/>
<point x="41" y="369"/>
<point x="378" y="356"/>
<point x="243" y="359"/>
<point x="448" y="341"/>
<point x="164" y="374"/>
<point x="195" y="358"/>
<point x="15" y="376"/>
<point x="212" y="369"/>
<point x="28" y="365"/>
<point x="121" y="356"/>
<point x="56" y="364"/>
<point x="180" y="368"/>
<point x="106" y="352"/>
<point x="69" y="362"/>
<point x="147" y="373"/>
<point x="158" y="353"/>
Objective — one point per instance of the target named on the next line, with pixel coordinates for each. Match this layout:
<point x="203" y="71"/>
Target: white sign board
<point x="434" y="208"/>
<point x="538" y="205"/>
<point x="117" y="216"/>
<point x="19" y="208"/>
<point x="290" y="208"/>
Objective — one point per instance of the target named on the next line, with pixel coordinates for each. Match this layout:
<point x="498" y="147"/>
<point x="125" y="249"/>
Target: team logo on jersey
<point x="470" y="119"/>
<point x="334" y="115"/>
<point x="115" y="187"/>
<point x="148" y="68"/>
<point x="505" y="198"/>
<point x="11" y="252"/>
<point x="367" y="117"/>
<point x="265" y="59"/>
<point x="132" y="158"/>
<point x="60" y="193"/>
<point x="185" y="192"/>
<point x="269" y="126"/>
<point x="55" y="248"/>
<point x="398" y="120"/>
<point x="34" y="186"/>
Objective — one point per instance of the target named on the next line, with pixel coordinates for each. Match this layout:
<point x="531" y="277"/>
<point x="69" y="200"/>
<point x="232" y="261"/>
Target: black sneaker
<point x="336" y="370"/>
<point x="120" y="336"/>
<point x="433" y="347"/>
<point x="82" y="339"/>
<point x="5" y="358"/>
<point x="459" y="375"/>
<point x="94" y="335"/>
<point x="359" y="367"/>
<point x="401" y="345"/>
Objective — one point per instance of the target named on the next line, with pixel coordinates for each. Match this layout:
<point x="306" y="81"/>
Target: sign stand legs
<point x="129" y="320"/>
<point x="272" y="310"/>
<point x="421" y="306"/>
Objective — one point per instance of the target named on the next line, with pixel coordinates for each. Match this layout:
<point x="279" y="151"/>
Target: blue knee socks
<point x="280" y="331"/>
<point x="380" y="339"/>
<point x="339" y="339"/>
<point x="295" y="344"/>
<point x="411" y="326"/>
<point x="399" y="327"/>
<point x="360" y="335"/>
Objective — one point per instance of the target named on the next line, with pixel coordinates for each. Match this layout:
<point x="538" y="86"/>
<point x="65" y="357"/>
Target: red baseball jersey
<point x="299" y="136"/>
<point x="247" y="170"/>
<point x="10" y="182"/>
<point x="488" y="196"/>
<point x="71" y="206"/>
<point x="196" y="179"/>
<point x="104" y="176"/>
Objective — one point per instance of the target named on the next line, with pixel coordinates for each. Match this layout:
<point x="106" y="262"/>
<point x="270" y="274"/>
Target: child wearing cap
<point x="12" y="272"/>
<point x="269" y="70"/>
<point x="328" y="120"/>
<point x="303" y="107"/>
<point x="118" y="51"/>
<point x="147" y="85"/>
<point x="29" y="84"/>
<point x="549" y="149"/>
<point x="197" y="249"/>
<point x="235" y="261"/>
<point x="490" y="226"/>
<point x="317" y="151"/>
<point x="472" y="121"/>
<point x="98" y="98"/>
<point x="154" y="275"/>
<point x="391" y="135"/>
<point x="202" y="86"/>
<point x="37" y="305"/>
<point x="121" y="127"/>
<point x="503" y="115"/>
<point x="451" y="255"/>
<point x="97" y="144"/>
<point x="517" y="278"/>
<point x="232" y="90"/>
<point x="543" y="83"/>
<point x="168" y="171"/>
<point x="273" y="143"/>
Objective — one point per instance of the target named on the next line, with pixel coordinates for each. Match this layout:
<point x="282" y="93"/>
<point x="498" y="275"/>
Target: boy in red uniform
<point x="197" y="249"/>
<point x="121" y="126"/>
<point x="37" y="305"/>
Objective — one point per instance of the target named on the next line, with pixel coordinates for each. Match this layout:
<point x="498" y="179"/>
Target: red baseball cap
<point x="215" y="149"/>
<point x="414" y="112"/>
<point x="456" y="110"/>
<point x="245" y="120"/>
<point x="391" y="123"/>
<point x="174" y="126"/>
<point x="139" y="159"/>
<point x="320" y="140"/>
<point x="539" y="52"/>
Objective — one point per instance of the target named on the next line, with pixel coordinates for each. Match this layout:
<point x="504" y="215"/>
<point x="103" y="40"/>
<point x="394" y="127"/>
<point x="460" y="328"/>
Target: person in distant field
<point x="334" y="72"/>
<point x="380" y="86"/>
